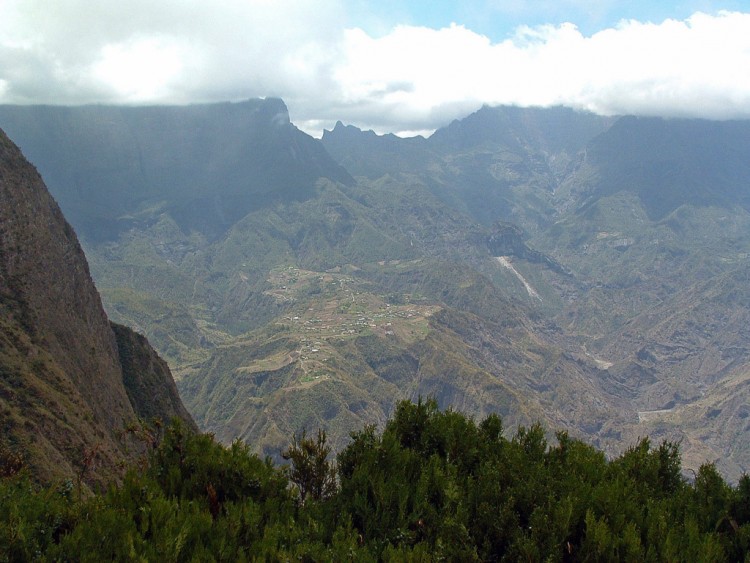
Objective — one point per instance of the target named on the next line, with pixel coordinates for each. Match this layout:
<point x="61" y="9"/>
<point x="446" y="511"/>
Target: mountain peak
<point x="206" y="165"/>
<point x="341" y="131"/>
<point x="276" y="111"/>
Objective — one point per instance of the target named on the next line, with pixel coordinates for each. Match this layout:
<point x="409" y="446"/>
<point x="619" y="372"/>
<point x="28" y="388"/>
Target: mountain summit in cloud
<point x="389" y="69"/>
<point x="112" y="166"/>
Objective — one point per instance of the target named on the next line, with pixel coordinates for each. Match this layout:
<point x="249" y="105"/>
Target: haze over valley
<point x="547" y="264"/>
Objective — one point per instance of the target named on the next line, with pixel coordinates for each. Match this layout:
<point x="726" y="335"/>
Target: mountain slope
<point x="62" y="385"/>
<point x="656" y="230"/>
<point x="499" y="163"/>
<point x="586" y="271"/>
<point x="112" y="168"/>
<point x="669" y="163"/>
<point x="638" y="251"/>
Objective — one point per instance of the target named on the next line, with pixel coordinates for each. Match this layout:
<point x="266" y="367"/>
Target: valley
<point x="590" y="273"/>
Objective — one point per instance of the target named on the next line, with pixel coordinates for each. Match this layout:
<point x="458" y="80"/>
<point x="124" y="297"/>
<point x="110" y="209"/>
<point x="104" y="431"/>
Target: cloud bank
<point x="326" y="68"/>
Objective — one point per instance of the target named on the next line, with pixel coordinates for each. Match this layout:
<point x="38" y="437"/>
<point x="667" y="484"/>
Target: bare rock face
<point x="63" y="404"/>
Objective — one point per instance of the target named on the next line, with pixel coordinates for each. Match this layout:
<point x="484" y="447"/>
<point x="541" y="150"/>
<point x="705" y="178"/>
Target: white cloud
<point x="140" y="70"/>
<point x="697" y="67"/>
<point x="411" y="78"/>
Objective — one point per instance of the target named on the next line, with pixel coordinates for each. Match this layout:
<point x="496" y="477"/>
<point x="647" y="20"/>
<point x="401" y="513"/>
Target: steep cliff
<point x="207" y="166"/>
<point x="63" y="401"/>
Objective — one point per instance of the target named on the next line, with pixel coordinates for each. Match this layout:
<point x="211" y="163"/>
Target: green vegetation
<point x="434" y="485"/>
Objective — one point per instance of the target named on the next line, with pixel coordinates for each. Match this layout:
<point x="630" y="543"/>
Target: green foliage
<point x="434" y="485"/>
<point x="310" y="470"/>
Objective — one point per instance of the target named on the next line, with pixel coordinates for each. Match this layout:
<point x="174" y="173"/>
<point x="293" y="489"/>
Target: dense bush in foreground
<point x="434" y="485"/>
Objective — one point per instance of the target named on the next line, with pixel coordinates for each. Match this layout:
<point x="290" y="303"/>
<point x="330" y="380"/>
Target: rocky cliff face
<point x="62" y="394"/>
<point x="207" y="166"/>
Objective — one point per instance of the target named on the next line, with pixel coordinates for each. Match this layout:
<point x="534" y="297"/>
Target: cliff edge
<point x="63" y="396"/>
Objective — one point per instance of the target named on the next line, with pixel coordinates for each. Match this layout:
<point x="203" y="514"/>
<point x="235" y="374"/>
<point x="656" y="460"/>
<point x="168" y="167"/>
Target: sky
<point x="403" y="67"/>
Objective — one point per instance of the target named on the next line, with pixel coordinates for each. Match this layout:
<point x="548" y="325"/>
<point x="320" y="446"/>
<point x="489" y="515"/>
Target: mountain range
<point x="545" y="264"/>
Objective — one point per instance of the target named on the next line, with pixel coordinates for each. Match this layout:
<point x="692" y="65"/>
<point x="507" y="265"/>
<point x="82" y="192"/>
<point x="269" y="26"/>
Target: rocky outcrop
<point x="63" y="402"/>
<point x="148" y="381"/>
